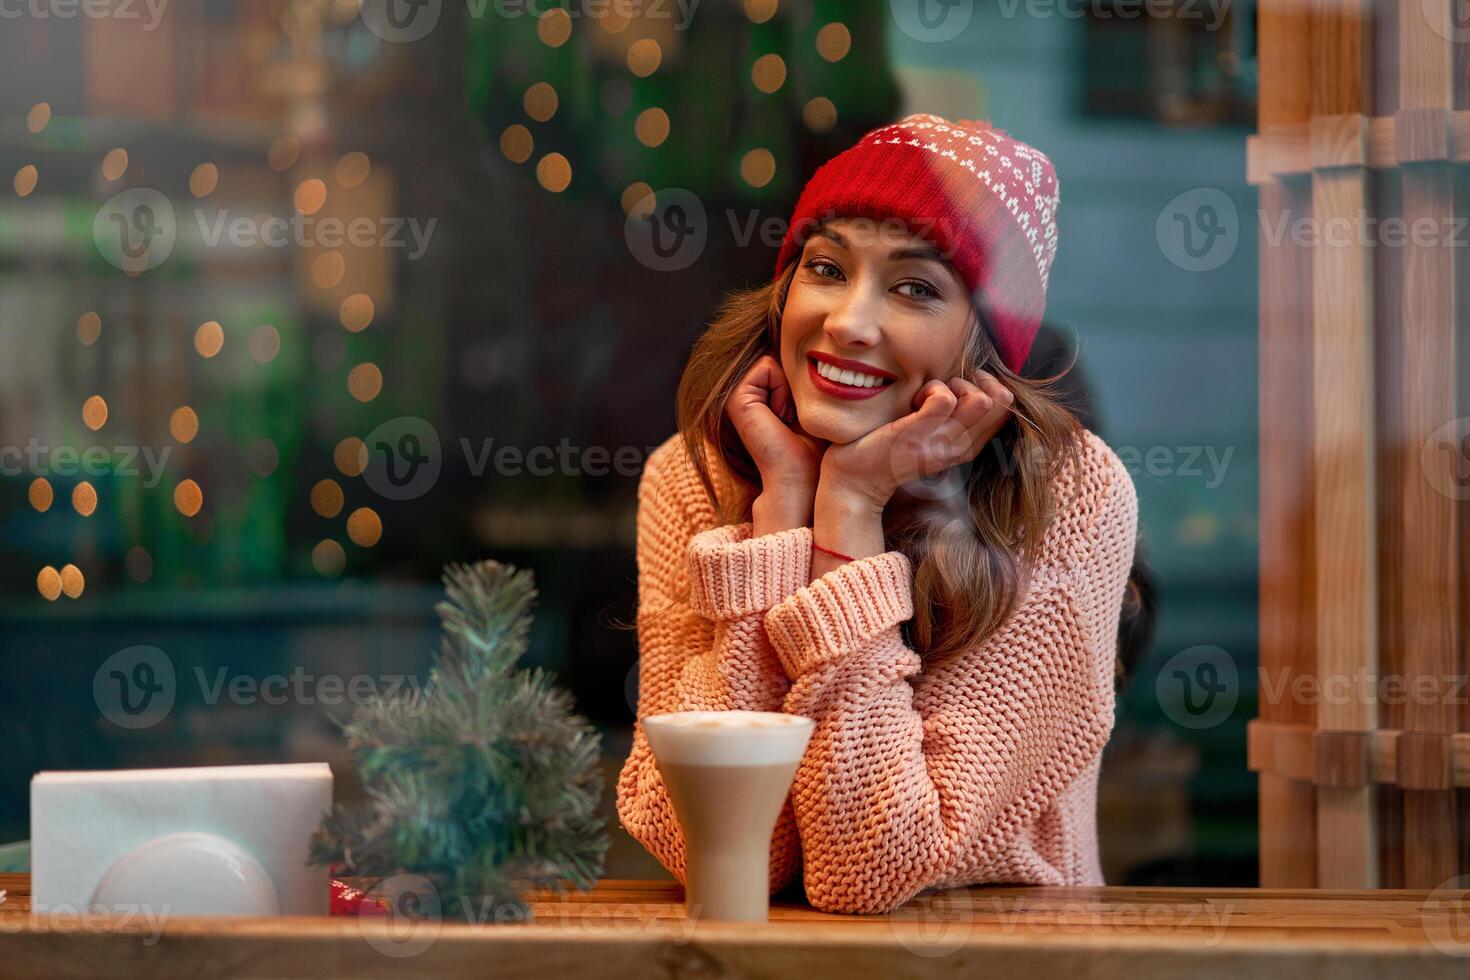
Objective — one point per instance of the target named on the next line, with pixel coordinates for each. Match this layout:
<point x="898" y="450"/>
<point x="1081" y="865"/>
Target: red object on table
<point x="347" y="900"/>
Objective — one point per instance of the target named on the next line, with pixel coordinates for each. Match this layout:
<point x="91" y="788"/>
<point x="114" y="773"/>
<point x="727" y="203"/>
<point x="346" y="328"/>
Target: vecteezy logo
<point x="670" y="236"/>
<point x="1199" y="230"/>
<point x="134" y="688"/>
<point x="935" y="923"/>
<point x="401" y="21"/>
<point x="1450" y="19"/>
<point x="1445" y="915"/>
<point x="404" y="458"/>
<point x="1445" y="459"/>
<point x="932" y="21"/>
<point x="1198" y="687"/>
<point x="945" y="436"/>
<point x="135" y="230"/>
<point x="413" y="920"/>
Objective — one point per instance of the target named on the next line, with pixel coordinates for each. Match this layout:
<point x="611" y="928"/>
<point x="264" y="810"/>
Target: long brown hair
<point x="971" y="565"/>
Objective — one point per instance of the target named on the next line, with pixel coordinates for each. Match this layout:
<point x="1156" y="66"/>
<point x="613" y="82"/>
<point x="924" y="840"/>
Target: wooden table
<point x="638" y="929"/>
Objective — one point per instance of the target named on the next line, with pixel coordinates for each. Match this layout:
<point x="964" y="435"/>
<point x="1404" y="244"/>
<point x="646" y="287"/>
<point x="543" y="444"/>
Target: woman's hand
<point x="950" y="425"/>
<point x="788" y="459"/>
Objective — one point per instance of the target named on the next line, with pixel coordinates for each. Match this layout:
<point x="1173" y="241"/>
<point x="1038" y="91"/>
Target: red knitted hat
<point x="988" y="202"/>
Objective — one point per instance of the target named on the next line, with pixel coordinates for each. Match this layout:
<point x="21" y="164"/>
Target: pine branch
<point x="483" y="781"/>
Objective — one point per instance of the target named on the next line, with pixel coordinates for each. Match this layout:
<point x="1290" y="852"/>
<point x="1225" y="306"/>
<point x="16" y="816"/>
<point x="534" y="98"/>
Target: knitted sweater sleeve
<point x="954" y="776"/>
<point x="710" y="652"/>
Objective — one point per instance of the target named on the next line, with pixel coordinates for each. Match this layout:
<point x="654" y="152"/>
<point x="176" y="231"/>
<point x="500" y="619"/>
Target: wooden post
<point x="1364" y="368"/>
<point x="1288" y="642"/>
<point x="1425" y="356"/>
<point x="1343" y="456"/>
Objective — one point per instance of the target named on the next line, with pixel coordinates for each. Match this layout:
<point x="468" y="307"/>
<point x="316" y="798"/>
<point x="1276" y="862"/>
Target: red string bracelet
<point x="834" y="554"/>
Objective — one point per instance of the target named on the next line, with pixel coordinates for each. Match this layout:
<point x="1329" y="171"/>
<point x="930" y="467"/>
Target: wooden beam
<point x="1287" y="817"/>
<point x="1424" y="355"/>
<point x="1343" y="413"/>
<point x="1286" y="151"/>
<point x="1283" y="57"/>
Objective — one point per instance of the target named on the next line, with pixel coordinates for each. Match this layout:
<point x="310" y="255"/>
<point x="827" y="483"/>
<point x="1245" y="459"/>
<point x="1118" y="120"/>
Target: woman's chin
<point x="834" y="424"/>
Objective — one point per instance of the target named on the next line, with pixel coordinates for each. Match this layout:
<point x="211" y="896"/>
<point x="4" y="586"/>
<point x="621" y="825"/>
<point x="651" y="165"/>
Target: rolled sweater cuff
<point x="841" y="611"/>
<point x="732" y="574"/>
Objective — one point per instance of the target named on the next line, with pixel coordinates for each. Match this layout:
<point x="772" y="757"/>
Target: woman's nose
<point x="854" y="320"/>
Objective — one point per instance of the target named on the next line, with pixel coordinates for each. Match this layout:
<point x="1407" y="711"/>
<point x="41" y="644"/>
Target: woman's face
<point x="869" y="297"/>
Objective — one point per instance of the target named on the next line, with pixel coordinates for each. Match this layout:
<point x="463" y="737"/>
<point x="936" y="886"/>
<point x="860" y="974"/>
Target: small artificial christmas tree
<point x="484" y="782"/>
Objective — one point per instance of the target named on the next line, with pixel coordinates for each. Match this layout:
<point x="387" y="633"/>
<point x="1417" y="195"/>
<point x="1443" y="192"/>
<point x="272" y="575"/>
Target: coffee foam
<point x="728" y="738"/>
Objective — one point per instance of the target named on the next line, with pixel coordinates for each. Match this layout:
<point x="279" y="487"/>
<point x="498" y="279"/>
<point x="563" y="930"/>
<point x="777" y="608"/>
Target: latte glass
<point x="728" y="774"/>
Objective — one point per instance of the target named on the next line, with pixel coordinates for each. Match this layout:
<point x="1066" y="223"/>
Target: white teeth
<point x="846" y="377"/>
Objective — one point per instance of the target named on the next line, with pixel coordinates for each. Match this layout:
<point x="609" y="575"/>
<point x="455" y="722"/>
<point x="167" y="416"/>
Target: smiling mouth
<point x="844" y="382"/>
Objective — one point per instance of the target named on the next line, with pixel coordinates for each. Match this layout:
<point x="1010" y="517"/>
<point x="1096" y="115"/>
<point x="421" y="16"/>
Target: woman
<point x="870" y="519"/>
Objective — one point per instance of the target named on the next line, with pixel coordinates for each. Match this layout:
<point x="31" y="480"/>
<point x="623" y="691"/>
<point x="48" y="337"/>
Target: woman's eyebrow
<point x="906" y="252"/>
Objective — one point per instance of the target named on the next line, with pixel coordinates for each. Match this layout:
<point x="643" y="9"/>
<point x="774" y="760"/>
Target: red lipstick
<point x="851" y="365"/>
<point x="838" y="390"/>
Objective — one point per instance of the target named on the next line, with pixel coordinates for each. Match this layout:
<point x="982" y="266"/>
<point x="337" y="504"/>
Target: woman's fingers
<point x="971" y="404"/>
<point x="934" y="400"/>
<point x="1000" y="399"/>
<point x="991" y="385"/>
<point x="761" y="384"/>
<point x="781" y="400"/>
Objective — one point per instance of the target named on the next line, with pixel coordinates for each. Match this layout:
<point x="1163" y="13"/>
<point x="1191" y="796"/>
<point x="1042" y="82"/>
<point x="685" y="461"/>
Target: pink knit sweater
<point x="982" y="769"/>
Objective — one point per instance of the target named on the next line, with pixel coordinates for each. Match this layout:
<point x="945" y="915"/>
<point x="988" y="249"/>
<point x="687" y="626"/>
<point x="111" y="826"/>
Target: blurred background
<point x="301" y="299"/>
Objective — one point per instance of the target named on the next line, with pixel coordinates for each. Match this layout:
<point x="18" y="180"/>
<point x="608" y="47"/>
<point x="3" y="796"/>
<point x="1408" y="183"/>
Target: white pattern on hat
<point x="944" y="137"/>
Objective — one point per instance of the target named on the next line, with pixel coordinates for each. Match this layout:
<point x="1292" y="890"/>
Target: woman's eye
<point x="820" y="267"/>
<point x="924" y="290"/>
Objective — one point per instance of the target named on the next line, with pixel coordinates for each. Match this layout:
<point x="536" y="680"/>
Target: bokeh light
<point x="652" y="126"/>
<point x="183" y="424"/>
<point x="265" y="343"/>
<point x="768" y="73"/>
<point x="327" y="498"/>
<point x="39" y="116"/>
<point x="25" y="180"/>
<point x="209" y="339"/>
<point x="638" y="200"/>
<point x="328" y="269"/>
<point x="89" y="328"/>
<point x="540" y="102"/>
<point x="644" y="57"/>
<point x="283" y="153"/>
<point x="94" y="412"/>
<point x="204" y="180"/>
<point x="357" y="312"/>
<point x="365" y="381"/>
<point x="188" y="498"/>
<point x="72" y="581"/>
<point x="353" y="169"/>
<point x="757" y="167"/>
<point x="310" y="195"/>
<point x="48" y="583"/>
<point x="350" y="456"/>
<point x="819" y="114"/>
<point x="40" y="494"/>
<point x="554" y="172"/>
<point x="516" y="143"/>
<point x="364" y="527"/>
<point x="760" y="11"/>
<point x="328" y="558"/>
<point x="84" y="498"/>
<point x="834" y="41"/>
<point x="554" y="27"/>
<point x="115" y="164"/>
